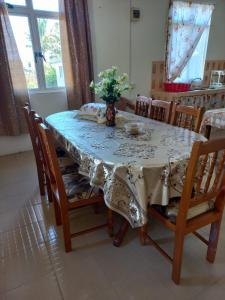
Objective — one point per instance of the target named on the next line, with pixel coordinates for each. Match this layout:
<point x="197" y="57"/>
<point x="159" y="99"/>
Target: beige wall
<point x="133" y="46"/>
<point x="216" y="46"/>
<point x="130" y="46"/>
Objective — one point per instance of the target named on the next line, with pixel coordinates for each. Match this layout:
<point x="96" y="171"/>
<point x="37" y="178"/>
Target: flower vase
<point x="110" y="114"/>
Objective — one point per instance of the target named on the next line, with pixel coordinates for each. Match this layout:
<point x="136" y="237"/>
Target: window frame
<point x="32" y="16"/>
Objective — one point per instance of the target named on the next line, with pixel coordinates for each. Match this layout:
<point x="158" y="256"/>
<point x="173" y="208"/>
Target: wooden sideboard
<point x="207" y="98"/>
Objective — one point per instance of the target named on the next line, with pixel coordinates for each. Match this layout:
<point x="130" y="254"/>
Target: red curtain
<point x="76" y="51"/>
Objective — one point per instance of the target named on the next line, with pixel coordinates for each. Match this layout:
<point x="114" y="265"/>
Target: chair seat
<point x="78" y="187"/>
<point x="171" y="211"/>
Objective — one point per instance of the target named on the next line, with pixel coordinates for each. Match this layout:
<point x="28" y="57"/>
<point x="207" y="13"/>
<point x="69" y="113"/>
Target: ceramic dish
<point x="135" y="128"/>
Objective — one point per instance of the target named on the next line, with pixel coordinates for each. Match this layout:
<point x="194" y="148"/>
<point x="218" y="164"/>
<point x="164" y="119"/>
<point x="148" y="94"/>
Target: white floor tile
<point x="34" y="265"/>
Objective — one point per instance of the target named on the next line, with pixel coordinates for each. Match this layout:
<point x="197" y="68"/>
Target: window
<point x="187" y="40"/>
<point x="17" y="2"/>
<point x="35" y="25"/>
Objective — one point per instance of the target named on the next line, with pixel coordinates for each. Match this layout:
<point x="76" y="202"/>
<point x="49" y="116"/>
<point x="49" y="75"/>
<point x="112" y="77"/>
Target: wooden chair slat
<point x="219" y="172"/>
<point x="201" y="174"/>
<point x="184" y="112"/>
<point x="210" y="172"/>
<point x="160" y="110"/>
<point x="142" y="106"/>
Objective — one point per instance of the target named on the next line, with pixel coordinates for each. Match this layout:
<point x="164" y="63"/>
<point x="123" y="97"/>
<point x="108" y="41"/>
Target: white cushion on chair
<point x="78" y="187"/>
<point x="171" y="211"/>
<point x="173" y="208"/>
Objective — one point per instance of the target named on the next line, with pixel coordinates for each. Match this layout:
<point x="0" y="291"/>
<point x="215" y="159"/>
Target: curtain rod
<point x="193" y="2"/>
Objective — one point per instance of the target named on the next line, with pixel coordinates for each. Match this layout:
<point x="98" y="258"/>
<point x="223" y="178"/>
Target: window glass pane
<point x="195" y="67"/>
<point x="51" y="49"/>
<point x="48" y="5"/>
<point x="16" y="2"/>
<point x="22" y="35"/>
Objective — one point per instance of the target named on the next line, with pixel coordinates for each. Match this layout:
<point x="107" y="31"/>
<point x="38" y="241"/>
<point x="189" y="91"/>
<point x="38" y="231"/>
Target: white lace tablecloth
<point x="214" y="118"/>
<point x="132" y="170"/>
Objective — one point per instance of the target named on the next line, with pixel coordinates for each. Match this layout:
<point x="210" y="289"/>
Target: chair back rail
<point x="142" y="106"/>
<point x="160" y="110"/>
<point x="124" y="103"/>
<point x="52" y="162"/>
<point x="187" y="116"/>
<point x="205" y="174"/>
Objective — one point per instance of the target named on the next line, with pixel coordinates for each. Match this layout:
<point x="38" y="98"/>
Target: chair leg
<point x="142" y="234"/>
<point x="120" y="235"/>
<point x="58" y="217"/>
<point x="110" y="222"/>
<point x="213" y="241"/>
<point x="177" y="257"/>
<point x="66" y="231"/>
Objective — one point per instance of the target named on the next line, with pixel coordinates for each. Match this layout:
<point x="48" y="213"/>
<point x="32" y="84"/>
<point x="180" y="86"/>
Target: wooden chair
<point x="67" y="165"/>
<point x="160" y="110"/>
<point x="142" y="106"/>
<point x="63" y="201"/>
<point x="204" y="189"/>
<point x="187" y="117"/>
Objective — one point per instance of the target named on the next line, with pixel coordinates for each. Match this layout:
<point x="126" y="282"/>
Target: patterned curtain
<point x="76" y="51"/>
<point x="13" y="93"/>
<point x="187" y="22"/>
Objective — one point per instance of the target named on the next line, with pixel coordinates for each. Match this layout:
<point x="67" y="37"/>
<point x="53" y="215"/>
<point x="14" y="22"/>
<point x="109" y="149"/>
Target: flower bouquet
<point x="110" y="88"/>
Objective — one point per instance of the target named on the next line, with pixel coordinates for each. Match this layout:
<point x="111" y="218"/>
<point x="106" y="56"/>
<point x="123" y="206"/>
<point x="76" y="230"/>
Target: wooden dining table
<point x="132" y="170"/>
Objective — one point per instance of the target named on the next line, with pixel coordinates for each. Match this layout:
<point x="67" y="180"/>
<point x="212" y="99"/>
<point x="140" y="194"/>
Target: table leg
<point x="110" y="222"/>
<point x="121" y="233"/>
<point x="142" y="234"/>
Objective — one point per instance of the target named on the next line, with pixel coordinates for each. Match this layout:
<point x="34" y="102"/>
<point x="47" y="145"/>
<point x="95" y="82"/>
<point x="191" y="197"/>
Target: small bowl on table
<point x="135" y="128"/>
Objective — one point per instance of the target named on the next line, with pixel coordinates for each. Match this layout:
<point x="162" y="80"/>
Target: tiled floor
<point x="33" y="264"/>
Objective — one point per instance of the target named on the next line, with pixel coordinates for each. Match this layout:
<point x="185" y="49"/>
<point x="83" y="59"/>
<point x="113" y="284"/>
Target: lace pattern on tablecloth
<point x="133" y="171"/>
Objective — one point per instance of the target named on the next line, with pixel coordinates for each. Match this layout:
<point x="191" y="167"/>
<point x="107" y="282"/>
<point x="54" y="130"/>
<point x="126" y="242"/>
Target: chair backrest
<point x="205" y="179"/>
<point x="125" y="103"/>
<point x="29" y="116"/>
<point x="142" y="106"/>
<point x="187" y="117"/>
<point x="52" y="163"/>
<point x="160" y="110"/>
